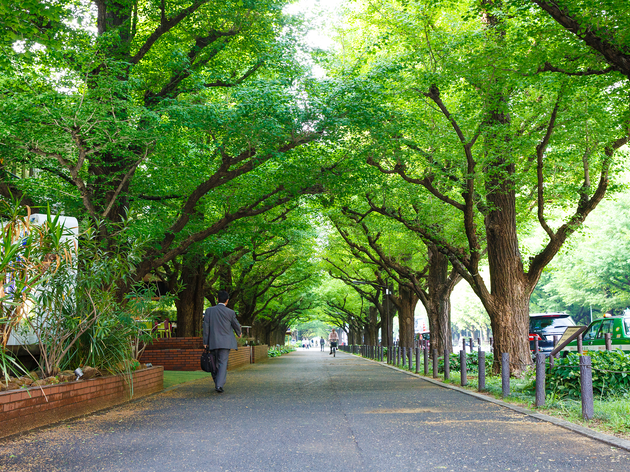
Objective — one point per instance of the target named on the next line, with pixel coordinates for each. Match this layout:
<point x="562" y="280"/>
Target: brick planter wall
<point x="175" y="343"/>
<point x="27" y="408"/>
<point x="239" y="358"/>
<point x="184" y="353"/>
<point x="260" y="353"/>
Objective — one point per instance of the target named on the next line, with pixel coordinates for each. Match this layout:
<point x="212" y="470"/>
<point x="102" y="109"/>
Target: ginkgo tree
<point x="495" y="140"/>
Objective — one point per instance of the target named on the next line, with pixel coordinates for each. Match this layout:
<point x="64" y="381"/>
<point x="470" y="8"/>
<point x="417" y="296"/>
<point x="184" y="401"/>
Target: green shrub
<point x="611" y="375"/>
<point x="276" y="351"/>
<point x="472" y="362"/>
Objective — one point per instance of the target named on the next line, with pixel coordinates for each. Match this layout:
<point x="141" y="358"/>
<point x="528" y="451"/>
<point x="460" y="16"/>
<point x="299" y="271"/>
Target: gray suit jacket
<point x="218" y="323"/>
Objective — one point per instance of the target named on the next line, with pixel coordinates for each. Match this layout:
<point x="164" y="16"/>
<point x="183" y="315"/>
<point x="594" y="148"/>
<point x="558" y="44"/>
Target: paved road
<point x="308" y="411"/>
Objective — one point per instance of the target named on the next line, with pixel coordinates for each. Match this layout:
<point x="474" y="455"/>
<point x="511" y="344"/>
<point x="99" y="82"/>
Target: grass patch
<point x="175" y="377"/>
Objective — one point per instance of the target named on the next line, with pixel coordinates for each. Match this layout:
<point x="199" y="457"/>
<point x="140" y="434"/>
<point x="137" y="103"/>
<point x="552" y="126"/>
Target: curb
<point x="583" y="430"/>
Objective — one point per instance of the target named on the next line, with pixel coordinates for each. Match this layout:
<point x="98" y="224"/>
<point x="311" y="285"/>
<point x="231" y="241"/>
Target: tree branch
<point x="164" y="27"/>
<point x="588" y="33"/>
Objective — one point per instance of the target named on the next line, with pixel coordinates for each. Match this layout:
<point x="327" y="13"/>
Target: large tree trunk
<point x="371" y="330"/>
<point x="189" y="302"/>
<point x="387" y="326"/>
<point x="407" y="301"/>
<point x="438" y="306"/>
<point x="354" y="334"/>
<point x="508" y="306"/>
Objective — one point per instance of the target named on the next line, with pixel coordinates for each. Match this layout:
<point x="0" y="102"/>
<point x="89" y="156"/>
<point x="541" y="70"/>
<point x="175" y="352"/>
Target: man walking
<point x="218" y="323"/>
<point x="321" y="343"/>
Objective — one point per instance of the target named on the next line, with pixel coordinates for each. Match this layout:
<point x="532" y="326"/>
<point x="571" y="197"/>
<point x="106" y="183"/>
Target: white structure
<point x="25" y="337"/>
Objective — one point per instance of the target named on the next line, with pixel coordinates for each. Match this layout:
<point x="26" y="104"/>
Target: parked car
<point x="544" y="326"/>
<point x="594" y="338"/>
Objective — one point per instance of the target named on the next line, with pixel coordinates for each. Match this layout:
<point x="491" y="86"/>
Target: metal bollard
<point x="540" y="379"/>
<point x="435" y="364"/>
<point x="404" y="356"/>
<point x="586" y="381"/>
<point x="608" y="338"/>
<point x="505" y="374"/>
<point x="482" y="370"/>
<point x="425" y="353"/>
<point x="417" y="360"/>
<point x="397" y="356"/>
<point x="410" y="358"/>
<point x="447" y="365"/>
<point x="462" y="368"/>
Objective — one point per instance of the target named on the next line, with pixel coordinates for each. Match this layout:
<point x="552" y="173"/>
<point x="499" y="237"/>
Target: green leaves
<point x="609" y="371"/>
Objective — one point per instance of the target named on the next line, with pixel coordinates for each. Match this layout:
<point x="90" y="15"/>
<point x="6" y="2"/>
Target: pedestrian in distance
<point x="333" y="338"/>
<point x="321" y="343"/>
<point x="218" y="323"/>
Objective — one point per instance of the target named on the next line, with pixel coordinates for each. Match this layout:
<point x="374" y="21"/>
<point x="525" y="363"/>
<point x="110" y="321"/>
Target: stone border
<point x="583" y="430"/>
<point x="25" y="409"/>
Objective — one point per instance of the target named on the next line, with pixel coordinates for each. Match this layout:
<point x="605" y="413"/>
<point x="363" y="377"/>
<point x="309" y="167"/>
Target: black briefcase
<point x="208" y="362"/>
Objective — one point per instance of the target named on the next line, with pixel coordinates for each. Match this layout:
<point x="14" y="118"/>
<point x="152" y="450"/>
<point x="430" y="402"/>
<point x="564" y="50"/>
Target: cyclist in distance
<point x="333" y="338"/>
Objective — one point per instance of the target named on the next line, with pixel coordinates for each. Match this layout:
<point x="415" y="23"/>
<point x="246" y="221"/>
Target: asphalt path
<point x="309" y="411"/>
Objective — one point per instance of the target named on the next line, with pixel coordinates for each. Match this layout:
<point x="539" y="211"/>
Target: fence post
<point x="586" y="381"/>
<point x="435" y="363"/>
<point x="462" y="368"/>
<point x="464" y="344"/>
<point x="536" y="348"/>
<point x="447" y="365"/>
<point x="505" y="374"/>
<point x="397" y="356"/>
<point x="425" y="354"/>
<point x="491" y="344"/>
<point x="608" y="338"/>
<point x="417" y="360"/>
<point x="482" y="370"/>
<point x="540" y="379"/>
<point x="579" y="345"/>
<point x="472" y="345"/>
<point x="410" y="358"/>
<point x="404" y="356"/>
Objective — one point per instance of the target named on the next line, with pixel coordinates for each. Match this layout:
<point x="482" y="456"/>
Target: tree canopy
<point x="443" y="139"/>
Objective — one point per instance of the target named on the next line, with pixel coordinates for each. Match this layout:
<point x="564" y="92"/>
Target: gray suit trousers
<point x="222" y="356"/>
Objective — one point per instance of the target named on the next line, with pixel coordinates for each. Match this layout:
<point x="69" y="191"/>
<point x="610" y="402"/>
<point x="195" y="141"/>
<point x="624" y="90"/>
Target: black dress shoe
<point x="219" y="390"/>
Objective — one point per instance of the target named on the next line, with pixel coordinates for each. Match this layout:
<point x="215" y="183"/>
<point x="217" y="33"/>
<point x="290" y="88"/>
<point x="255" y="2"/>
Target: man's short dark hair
<point x="223" y="296"/>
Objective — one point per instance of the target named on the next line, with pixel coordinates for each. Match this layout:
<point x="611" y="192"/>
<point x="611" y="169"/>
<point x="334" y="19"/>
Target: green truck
<point x="594" y="338"/>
